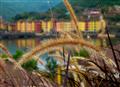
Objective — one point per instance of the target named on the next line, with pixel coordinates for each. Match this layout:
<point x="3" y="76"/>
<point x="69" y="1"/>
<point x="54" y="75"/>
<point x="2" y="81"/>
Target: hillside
<point x="42" y="11"/>
<point x="9" y="8"/>
<point x="80" y="5"/>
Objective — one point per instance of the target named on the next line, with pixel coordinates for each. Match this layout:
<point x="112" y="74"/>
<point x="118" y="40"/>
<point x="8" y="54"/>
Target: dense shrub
<point x="30" y="65"/>
<point x="4" y="56"/>
<point x="18" y="54"/>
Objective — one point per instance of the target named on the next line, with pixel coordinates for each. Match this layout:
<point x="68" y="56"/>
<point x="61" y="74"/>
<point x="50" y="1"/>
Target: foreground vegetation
<point x="71" y="63"/>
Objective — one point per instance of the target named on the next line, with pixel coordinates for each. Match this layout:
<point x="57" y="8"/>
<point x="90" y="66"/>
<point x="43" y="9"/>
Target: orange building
<point x="59" y="26"/>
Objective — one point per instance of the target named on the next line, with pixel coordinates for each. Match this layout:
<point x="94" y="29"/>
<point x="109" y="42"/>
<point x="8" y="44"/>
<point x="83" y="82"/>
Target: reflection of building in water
<point x="30" y="43"/>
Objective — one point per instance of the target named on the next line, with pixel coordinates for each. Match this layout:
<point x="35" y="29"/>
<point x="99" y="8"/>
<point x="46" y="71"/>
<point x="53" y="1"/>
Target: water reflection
<point x="21" y="44"/>
<point x="28" y="44"/>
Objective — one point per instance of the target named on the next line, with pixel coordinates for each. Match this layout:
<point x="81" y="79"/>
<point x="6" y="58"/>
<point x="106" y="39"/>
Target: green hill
<point x="10" y="8"/>
<point x="59" y="11"/>
<point x="79" y="5"/>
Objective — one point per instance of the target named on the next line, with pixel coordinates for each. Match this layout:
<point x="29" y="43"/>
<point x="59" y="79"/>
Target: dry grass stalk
<point x="50" y="44"/>
<point x="6" y="51"/>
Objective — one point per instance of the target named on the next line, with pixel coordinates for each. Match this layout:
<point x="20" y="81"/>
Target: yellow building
<point x="67" y="26"/>
<point x="91" y="26"/>
<point x="19" y="25"/>
<point x="97" y="25"/>
<point x="33" y="26"/>
<point x="23" y="26"/>
<point x="1" y="23"/>
<point x="81" y="26"/>
<point x="49" y="26"/>
<point x="10" y="28"/>
<point x="44" y="26"/>
<point x="29" y="26"/>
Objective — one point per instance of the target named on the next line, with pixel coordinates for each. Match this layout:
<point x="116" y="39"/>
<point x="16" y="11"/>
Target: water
<point x="28" y="44"/>
<point x="20" y="44"/>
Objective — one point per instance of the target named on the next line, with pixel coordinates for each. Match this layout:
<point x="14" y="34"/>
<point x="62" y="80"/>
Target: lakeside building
<point x="93" y="22"/>
<point x="38" y="26"/>
<point x="3" y="24"/>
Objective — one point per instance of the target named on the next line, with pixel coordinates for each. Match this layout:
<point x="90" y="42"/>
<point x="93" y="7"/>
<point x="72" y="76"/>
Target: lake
<point x="28" y="44"/>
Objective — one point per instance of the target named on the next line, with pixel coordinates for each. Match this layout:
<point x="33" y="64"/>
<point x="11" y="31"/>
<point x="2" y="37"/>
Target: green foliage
<point x="30" y="65"/>
<point x="18" y="54"/>
<point x="51" y="66"/>
<point x="82" y="53"/>
<point x="115" y="18"/>
<point x="4" y="56"/>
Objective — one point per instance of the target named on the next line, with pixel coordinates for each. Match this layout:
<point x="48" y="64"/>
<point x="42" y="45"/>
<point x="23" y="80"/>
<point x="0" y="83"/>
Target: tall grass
<point x="93" y="74"/>
<point x="50" y="44"/>
<point x="6" y="51"/>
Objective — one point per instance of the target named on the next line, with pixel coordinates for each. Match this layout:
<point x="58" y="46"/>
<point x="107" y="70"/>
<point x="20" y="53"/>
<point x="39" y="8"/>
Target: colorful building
<point x="44" y="26"/>
<point x="59" y="26"/>
<point x="38" y="26"/>
<point x="18" y="25"/>
<point x="49" y="26"/>
<point x="29" y="26"/>
<point x="11" y="26"/>
<point x="67" y="26"/>
<point x="91" y="26"/>
<point x="1" y="23"/>
<point x="23" y="26"/>
<point x="33" y="26"/>
<point x="82" y="26"/>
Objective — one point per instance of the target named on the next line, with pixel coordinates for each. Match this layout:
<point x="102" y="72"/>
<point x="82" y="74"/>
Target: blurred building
<point x="92" y="20"/>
